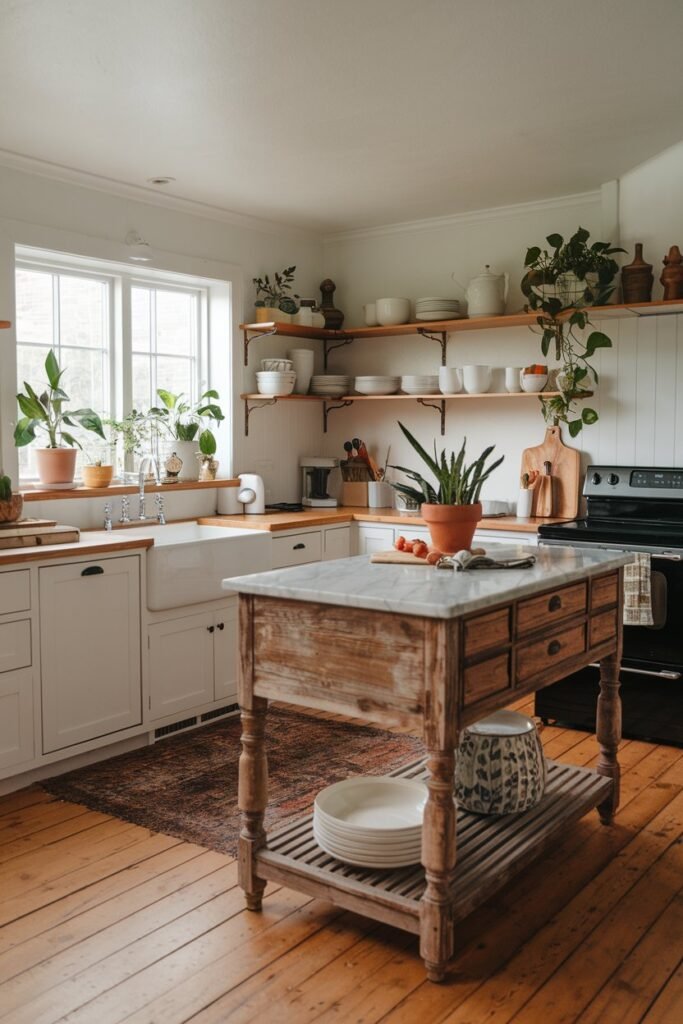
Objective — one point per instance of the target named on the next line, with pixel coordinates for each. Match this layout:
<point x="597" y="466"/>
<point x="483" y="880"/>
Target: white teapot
<point x="487" y="293"/>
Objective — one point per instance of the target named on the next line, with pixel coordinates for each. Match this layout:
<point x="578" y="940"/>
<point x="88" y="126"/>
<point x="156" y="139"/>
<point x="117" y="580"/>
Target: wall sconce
<point x="140" y="250"/>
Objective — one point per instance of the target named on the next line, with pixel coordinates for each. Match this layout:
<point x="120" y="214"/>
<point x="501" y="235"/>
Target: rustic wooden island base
<point x="436" y="673"/>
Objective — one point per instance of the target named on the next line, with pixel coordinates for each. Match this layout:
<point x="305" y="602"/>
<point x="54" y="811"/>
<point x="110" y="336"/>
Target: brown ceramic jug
<point x="334" y="318"/>
<point x="637" y="278"/>
<point x="672" y="275"/>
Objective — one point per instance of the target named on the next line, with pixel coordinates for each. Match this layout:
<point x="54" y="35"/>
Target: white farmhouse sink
<point x="188" y="562"/>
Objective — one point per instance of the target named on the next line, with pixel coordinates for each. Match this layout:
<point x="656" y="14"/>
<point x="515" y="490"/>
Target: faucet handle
<point x="159" y="501"/>
<point x="125" y="506"/>
<point x="107" y="515"/>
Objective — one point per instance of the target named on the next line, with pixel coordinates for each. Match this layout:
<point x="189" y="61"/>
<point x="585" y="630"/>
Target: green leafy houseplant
<point x="558" y="284"/>
<point x="45" y="412"/>
<point x="450" y="506"/>
<point x="5" y="488"/>
<point x="181" y="420"/>
<point x="274" y="293"/>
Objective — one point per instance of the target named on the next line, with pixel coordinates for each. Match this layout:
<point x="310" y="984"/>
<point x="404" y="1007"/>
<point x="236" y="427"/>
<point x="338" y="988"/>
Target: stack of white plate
<point x="377" y="385"/>
<point x="275" y="382"/>
<point x="420" y="384"/>
<point x="373" y="822"/>
<point x="435" y="308"/>
<point x="330" y="385"/>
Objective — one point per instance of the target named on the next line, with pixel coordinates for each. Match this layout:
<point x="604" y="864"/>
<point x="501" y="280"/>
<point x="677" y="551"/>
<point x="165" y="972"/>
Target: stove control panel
<point x="633" y="481"/>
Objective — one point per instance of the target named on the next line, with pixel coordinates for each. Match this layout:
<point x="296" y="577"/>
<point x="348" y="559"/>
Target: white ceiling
<point x="337" y="114"/>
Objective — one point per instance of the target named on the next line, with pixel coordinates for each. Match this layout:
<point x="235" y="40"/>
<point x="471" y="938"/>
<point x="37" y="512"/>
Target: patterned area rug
<point x="186" y="786"/>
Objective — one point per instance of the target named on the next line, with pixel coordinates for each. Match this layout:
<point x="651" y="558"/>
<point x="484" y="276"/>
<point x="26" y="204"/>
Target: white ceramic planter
<point x="187" y="452"/>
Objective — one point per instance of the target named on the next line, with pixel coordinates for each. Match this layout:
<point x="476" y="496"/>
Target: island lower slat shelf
<point x="489" y="852"/>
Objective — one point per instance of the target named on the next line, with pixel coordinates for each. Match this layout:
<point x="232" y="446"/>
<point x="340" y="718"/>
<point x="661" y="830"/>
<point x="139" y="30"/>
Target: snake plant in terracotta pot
<point x="452" y="508"/>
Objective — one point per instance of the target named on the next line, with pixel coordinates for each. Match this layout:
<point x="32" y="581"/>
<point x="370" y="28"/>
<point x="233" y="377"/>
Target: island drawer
<point x="485" y="632"/>
<point x="604" y="591"/>
<point x="603" y="627"/>
<point x="486" y="678"/>
<point x="538" y="612"/>
<point x="542" y="654"/>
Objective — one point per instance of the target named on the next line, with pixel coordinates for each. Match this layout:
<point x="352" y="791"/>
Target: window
<point x="109" y="368"/>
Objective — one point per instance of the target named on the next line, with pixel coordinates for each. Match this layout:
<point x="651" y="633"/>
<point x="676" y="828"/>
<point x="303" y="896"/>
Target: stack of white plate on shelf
<point x="377" y="385"/>
<point x="330" y="385"/>
<point x="420" y="384"/>
<point x="435" y="308"/>
<point x="373" y="822"/>
<point x="275" y="382"/>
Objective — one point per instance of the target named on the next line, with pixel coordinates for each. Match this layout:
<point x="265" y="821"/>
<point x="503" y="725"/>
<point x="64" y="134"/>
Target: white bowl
<point x="532" y="382"/>
<point x="278" y="389"/>
<point x="477" y="379"/>
<point x="374" y="802"/>
<point x="450" y="380"/>
<point x="392" y="311"/>
<point x="276" y="364"/>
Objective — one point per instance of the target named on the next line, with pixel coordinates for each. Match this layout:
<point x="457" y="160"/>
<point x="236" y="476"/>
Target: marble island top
<point x="424" y="590"/>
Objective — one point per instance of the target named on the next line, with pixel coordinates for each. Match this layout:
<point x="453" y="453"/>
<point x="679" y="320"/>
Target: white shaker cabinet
<point x="370" y="539"/>
<point x="89" y="650"/>
<point x="192" y="661"/>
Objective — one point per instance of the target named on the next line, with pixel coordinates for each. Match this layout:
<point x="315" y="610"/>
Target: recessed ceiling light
<point x="161" y="179"/>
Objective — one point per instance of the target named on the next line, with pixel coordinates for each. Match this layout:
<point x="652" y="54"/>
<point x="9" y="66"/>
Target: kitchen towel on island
<point x="463" y="561"/>
<point x="637" y="591"/>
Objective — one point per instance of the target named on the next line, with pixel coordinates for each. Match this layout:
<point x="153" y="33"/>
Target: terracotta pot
<point x="263" y="314"/>
<point x="56" y="465"/>
<point x="97" y="476"/>
<point x="451" y="527"/>
<point x="10" y="510"/>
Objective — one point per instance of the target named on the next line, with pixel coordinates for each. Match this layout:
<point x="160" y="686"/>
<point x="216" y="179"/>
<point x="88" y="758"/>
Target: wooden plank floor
<point x="102" y="921"/>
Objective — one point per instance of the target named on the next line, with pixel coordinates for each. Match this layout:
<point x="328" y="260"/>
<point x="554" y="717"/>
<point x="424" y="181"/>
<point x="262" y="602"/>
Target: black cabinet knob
<point x="209" y="629"/>
<point x="220" y="625"/>
<point x="554" y="647"/>
<point x="555" y="603"/>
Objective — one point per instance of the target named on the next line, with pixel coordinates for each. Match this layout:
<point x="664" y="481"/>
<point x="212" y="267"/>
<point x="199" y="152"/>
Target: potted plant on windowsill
<point x="11" y="504"/>
<point x="46" y="412"/>
<point x="272" y="300"/>
<point x="183" y="425"/>
<point x="98" y="469"/>
<point x="451" y="510"/>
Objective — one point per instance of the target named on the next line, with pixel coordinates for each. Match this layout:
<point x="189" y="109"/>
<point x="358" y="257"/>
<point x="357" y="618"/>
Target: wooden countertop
<point x="276" y="521"/>
<point x="94" y="542"/>
<point x="38" y="493"/>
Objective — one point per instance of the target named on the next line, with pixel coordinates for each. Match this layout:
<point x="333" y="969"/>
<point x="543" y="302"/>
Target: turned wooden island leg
<point x="438" y="858"/>
<point x="252" y="799"/>
<point x="608" y="731"/>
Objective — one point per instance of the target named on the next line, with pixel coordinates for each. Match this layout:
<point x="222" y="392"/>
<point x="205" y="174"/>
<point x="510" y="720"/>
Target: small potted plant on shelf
<point x="559" y="284"/>
<point x="452" y="508"/>
<point x="272" y="300"/>
<point x="11" y="504"/>
<point x="134" y="433"/>
<point x="183" y="425"/>
<point x="46" y="412"/>
<point x="98" y="470"/>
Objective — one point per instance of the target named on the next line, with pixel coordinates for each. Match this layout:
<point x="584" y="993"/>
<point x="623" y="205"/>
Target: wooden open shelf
<point x="490" y="850"/>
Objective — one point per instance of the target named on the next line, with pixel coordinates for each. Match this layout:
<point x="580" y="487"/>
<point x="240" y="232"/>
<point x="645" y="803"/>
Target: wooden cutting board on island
<point x="565" y="472"/>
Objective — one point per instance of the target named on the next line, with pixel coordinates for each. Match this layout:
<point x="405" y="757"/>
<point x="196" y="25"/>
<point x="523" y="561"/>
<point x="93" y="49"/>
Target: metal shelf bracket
<point x="327" y="409"/>
<point x="250" y="335"/>
<point x="440" y="408"/>
<point x="248" y="409"/>
<point x="441" y="337"/>
<point x="330" y="346"/>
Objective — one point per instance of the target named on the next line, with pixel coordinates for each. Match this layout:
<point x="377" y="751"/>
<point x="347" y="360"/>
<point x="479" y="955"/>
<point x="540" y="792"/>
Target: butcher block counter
<point x="95" y="542"/>
<point x="433" y="650"/>
<point x="348" y="514"/>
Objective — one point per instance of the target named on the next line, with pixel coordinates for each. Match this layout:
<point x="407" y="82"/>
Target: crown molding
<point x="470" y="217"/>
<point x="152" y="197"/>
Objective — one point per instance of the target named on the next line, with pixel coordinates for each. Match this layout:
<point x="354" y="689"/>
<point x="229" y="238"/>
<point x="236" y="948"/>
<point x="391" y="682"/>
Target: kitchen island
<point x="433" y="650"/>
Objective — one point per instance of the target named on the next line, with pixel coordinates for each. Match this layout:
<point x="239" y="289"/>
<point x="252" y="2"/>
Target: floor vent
<point x="218" y="712"/>
<point x="166" y="730"/>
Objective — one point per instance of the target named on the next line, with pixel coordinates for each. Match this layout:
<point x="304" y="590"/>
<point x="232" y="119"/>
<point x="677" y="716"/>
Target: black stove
<point x="632" y="508"/>
<point x="285" y="506"/>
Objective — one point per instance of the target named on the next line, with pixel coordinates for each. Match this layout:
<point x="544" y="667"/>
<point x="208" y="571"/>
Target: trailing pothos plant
<point x="458" y="483"/>
<point x="559" y="284"/>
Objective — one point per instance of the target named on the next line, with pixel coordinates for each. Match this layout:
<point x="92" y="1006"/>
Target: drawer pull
<point x="93" y="570"/>
<point x="554" y="647"/>
<point x="298" y="547"/>
<point x="555" y="603"/>
<point x="220" y="625"/>
<point x="210" y="629"/>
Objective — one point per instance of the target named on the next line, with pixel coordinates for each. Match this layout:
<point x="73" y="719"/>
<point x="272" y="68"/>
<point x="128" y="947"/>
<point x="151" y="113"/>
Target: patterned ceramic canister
<point x="500" y="767"/>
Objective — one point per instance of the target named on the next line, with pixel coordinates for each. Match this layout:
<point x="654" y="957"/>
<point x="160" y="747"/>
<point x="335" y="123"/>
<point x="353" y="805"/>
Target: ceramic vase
<point x="302" y="364"/>
<point x="187" y="453"/>
<point x="672" y="275"/>
<point x="500" y="768"/>
<point x="97" y="476"/>
<point x="11" y="508"/>
<point x="637" y="278"/>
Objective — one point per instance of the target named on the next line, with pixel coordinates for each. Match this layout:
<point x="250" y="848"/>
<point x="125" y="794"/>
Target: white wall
<point x="71" y="217"/>
<point x="651" y="208"/>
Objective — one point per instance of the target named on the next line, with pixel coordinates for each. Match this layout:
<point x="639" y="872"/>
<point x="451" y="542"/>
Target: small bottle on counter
<point x="304" y="315"/>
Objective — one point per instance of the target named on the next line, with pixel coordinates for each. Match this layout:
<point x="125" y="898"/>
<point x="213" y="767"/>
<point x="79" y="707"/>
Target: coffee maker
<point x="315" y="469"/>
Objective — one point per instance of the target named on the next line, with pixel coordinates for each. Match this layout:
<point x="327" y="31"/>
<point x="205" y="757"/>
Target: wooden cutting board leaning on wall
<point x="565" y="469"/>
